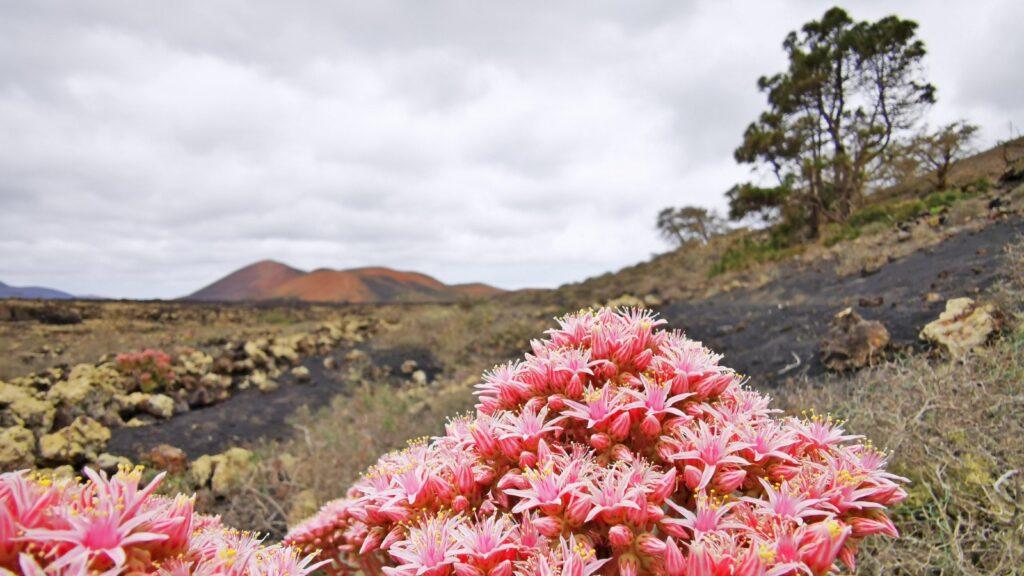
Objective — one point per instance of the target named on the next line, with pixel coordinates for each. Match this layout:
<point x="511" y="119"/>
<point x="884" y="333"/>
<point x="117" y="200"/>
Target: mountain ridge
<point x="33" y="292"/>
<point x="273" y="280"/>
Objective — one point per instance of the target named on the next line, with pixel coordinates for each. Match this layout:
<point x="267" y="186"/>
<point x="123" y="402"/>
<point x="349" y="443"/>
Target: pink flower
<point x="111" y="525"/>
<point x="510" y="492"/>
<point x="786" y="504"/>
<point x="430" y="549"/>
<point x="598" y="407"/>
<point x="708" y="450"/>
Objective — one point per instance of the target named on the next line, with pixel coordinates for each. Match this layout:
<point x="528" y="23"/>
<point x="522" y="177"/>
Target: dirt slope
<point x="762" y="331"/>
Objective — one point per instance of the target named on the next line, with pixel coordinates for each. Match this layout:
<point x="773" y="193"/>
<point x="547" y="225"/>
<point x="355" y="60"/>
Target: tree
<point x="937" y="151"/>
<point x="682" y="225"/>
<point x="850" y="90"/>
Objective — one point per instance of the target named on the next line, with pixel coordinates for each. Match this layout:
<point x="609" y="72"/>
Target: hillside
<point x="32" y="292"/>
<point x="270" y="280"/>
<point x="253" y="282"/>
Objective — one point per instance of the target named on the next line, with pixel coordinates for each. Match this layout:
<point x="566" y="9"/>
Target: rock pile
<point x="64" y="416"/>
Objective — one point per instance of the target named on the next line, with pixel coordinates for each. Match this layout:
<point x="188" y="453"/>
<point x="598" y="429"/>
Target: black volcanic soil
<point x="248" y="416"/>
<point x="759" y="331"/>
<point x="244" y="418"/>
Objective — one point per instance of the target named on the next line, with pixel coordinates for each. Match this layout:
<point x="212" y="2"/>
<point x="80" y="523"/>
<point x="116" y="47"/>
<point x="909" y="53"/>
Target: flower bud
<point x="503" y="568"/>
<point x="527" y="460"/>
<point x="397" y="533"/>
<point x="512" y="479"/>
<point x="460" y="503"/>
<point x="730" y="480"/>
<point x="650" y="425"/>
<point x="621" y="453"/>
<point x="574" y="389"/>
<point x="643" y="359"/>
<point x="556" y="402"/>
<point x="649" y="544"/>
<point x="620" y="426"/>
<point x="691" y="477"/>
<point x="620" y="536"/>
<point x="548" y="526"/>
<point x="628" y="565"/>
<point x="372" y="541"/>
<point x="674" y="528"/>
<point x="867" y="526"/>
<point x="578" y="509"/>
<point x="600" y="441"/>
<point x="673" y="559"/>
<point x="654" y="513"/>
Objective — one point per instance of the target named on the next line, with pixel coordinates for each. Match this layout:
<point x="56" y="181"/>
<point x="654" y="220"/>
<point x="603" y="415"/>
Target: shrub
<point x="148" y="370"/>
<point x="751" y="249"/>
<point x="620" y="447"/>
<point x="51" y="526"/>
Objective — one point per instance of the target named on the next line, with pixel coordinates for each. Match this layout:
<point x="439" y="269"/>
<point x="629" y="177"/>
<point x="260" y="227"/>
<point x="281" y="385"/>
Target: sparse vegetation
<point x="690" y="223"/>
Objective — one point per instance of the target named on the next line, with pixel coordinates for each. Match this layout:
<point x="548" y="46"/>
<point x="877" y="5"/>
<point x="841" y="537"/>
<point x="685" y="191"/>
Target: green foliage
<point x="941" y="199"/>
<point x="849" y="90"/>
<point x="749" y="250"/>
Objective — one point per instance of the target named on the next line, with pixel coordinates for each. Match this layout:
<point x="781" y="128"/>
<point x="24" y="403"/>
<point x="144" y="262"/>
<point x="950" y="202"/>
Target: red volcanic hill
<point x="269" y="280"/>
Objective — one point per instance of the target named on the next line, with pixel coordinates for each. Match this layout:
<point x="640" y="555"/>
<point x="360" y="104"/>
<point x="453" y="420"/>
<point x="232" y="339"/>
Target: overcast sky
<point x="147" y="148"/>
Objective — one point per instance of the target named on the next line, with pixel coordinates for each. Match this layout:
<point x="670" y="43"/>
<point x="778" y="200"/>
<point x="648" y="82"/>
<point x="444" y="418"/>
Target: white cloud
<point x="153" y="147"/>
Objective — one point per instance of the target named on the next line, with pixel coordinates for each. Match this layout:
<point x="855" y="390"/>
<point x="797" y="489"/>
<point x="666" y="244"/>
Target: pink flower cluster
<point x="148" y="370"/>
<point x="615" y="447"/>
<point x="112" y="525"/>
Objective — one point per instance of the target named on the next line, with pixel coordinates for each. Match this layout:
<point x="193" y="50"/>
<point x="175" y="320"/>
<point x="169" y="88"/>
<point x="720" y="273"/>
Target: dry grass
<point x="331" y="448"/>
<point x="955" y="429"/>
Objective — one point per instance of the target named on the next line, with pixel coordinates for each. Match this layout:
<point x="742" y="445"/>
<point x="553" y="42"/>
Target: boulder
<point x="168" y="458"/>
<point x="201" y="470"/>
<point x="409" y="366"/>
<point x="330" y="363"/>
<point x="88" y="391"/>
<point x="284" y="351"/>
<point x="963" y="326"/>
<point x="262" y="382"/>
<point x="208" y="389"/>
<point x="225" y="472"/>
<point x="355" y="356"/>
<point x="79" y="442"/>
<point x="159" y="405"/>
<point x="419" y="377"/>
<point x="301" y="374"/>
<point x="243" y="366"/>
<point x="195" y="362"/>
<point x="852" y="342"/>
<point x="17" y="448"/>
<point x="231" y="470"/>
<point x="625" y="301"/>
<point x="112" y="463"/>
<point x="19" y="406"/>
<point x="254" y="351"/>
<point x="653" y="300"/>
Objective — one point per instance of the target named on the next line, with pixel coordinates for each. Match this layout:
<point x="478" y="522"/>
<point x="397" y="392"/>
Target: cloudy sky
<point x="147" y="148"/>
